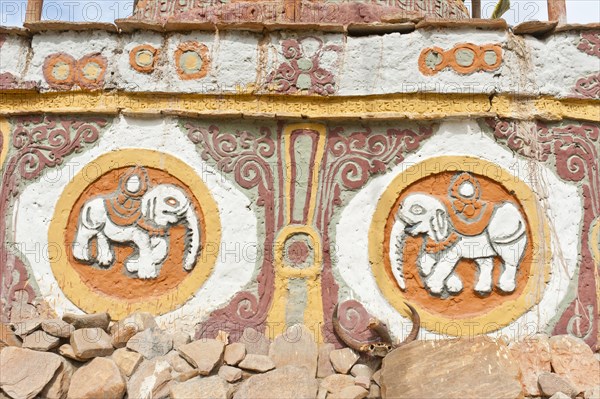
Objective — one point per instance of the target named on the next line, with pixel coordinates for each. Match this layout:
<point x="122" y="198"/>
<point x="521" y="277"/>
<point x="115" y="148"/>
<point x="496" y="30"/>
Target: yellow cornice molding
<point x="417" y="106"/>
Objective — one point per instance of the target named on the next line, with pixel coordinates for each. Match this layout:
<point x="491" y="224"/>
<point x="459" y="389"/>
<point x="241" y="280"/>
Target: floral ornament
<point x="306" y="67"/>
<point x="466" y="191"/>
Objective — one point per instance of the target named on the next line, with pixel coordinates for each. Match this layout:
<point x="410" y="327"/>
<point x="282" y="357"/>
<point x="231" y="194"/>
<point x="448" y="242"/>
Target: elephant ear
<point x="439" y="225"/>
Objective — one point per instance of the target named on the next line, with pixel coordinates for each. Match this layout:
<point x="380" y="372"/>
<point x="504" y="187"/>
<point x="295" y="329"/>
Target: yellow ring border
<point x="496" y="318"/>
<point x="91" y="301"/>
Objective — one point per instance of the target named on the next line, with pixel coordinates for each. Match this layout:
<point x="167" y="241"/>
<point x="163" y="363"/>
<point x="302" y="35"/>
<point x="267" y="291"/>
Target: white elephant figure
<point x="154" y="211"/>
<point x="505" y="236"/>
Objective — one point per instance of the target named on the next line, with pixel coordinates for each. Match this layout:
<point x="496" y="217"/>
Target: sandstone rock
<point x="377" y="377"/>
<point x="58" y="328"/>
<point x="260" y="363"/>
<point x="178" y="363"/>
<point x="342" y="360"/>
<point x="592" y="393"/>
<point x="361" y="370"/>
<point x="67" y="351"/>
<point x="26" y="327"/>
<point x="204" y="354"/>
<point x="40" y="341"/>
<point x="466" y="368"/>
<point x="363" y="381"/>
<point x="126" y="360"/>
<point x="149" y="379"/>
<point x="374" y="392"/>
<point x="573" y="359"/>
<point x="188" y="375"/>
<point x="230" y="374"/>
<point x="8" y="337"/>
<point x="560" y="395"/>
<point x="337" y="382"/>
<point x="255" y="342"/>
<point x="533" y="357"/>
<point x="21" y="309"/>
<point x="24" y="373"/>
<point x="151" y="343"/>
<point x="100" y="378"/>
<point x="58" y="386"/>
<point x="180" y="338"/>
<point x="322" y="393"/>
<point x="287" y="382"/>
<point x="91" y="342"/>
<point x="95" y="320"/>
<point x="353" y="392"/>
<point x="551" y="383"/>
<point x="202" y="388"/>
<point x="234" y="353"/>
<point x="324" y="367"/>
<point x="296" y="347"/>
<point x="126" y="328"/>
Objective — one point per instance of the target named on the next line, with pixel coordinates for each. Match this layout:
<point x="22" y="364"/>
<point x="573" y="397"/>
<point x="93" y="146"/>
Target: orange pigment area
<point x="467" y="303"/>
<point x="115" y="281"/>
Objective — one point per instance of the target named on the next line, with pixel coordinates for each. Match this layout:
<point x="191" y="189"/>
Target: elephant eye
<point x="171" y="201"/>
<point x="417" y="209"/>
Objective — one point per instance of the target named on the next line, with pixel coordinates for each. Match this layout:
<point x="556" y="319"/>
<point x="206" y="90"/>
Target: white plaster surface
<point x="465" y="138"/>
<point x="237" y="254"/>
<point x="13" y="55"/>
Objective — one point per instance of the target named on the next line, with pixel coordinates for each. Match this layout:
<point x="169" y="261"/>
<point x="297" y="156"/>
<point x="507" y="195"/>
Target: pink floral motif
<point x="588" y="87"/>
<point x="590" y="43"/>
<point x="306" y="67"/>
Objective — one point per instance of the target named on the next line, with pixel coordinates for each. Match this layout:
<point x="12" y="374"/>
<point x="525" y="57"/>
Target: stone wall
<point x="232" y="179"/>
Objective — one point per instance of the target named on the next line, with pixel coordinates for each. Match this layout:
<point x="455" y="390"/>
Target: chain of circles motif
<point x="464" y="58"/>
<point x="62" y="71"/>
<point x="191" y="59"/>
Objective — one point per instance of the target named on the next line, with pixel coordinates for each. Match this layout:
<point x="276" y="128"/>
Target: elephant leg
<point x="484" y="280"/>
<point x="159" y="249"/>
<point x="454" y="284"/>
<point x="441" y="271"/>
<point x="105" y="255"/>
<point x="81" y="246"/>
<point x="511" y="255"/>
<point x="143" y="262"/>
<point x="426" y="263"/>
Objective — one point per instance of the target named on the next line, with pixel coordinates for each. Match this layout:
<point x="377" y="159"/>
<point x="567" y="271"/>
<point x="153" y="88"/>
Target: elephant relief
<point x="502" y="235"/>
<point x="140" y="214"/>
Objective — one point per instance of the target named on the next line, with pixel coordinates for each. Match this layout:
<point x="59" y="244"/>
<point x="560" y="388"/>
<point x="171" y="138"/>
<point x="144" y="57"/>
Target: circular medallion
<point x="461" y="240"/>
<point x="90" y="71"/>
<point x="142" y="58"/>
<point x="59" y="71"/>
<point x="134" y="238"/>
<point x="191" y="60"/>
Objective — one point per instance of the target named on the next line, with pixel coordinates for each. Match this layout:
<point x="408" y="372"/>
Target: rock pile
<point x="88" y="356"/>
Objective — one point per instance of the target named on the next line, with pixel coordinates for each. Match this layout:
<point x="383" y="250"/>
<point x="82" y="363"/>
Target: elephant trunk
<point x="192" y="241"/>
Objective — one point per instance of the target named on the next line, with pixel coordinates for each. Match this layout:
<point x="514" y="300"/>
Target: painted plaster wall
<point x="243" y="61"/>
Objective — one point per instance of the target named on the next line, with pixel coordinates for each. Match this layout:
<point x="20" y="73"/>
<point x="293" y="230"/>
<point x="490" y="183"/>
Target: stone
<point x="353" y="392"/>
<point x="149" y="379"/>
<point x="363" y="381"/>
<point x="288" y="382"/>
<point x="361" y="370"/>
<point x="573" y="359"/>
<point x="255" y="342"/>
<point x="467" y="367"/>
<point x="8" y="337"/>
<point x="322" y="393"/>
<point x="58" y="328"/>
<point x="58" y="387"/>
<point x="67" y="351"/>
<point x="337" y="382"/>
<point x="21" y="309"/>
<point x="204" y="354"/>
<point x="234" y="353"/>
<point x="374" y="392"/>
<point x="592" y="393"/>
<point x="180" y="338"/>
<point x="188" y="375"/>
<point x="259" y="363"/>
<point x="127" y="361"/>
<point x="342" y="360"/>
<point x="24" y="372"/>
<point x="533" y="357"/>
<point x="551" y="383"/>
<point x="202" y="388"/>
<point x="151" y="343"/>
<point x="40" y="341"/>
<point x="223" y="336"/>
<point x="560" y="395"/>
<point x="295" y="347"/>
<point x="100" y="378"/>
<point x="324" y="367"/>
<point x="178" y="363"/>
<point x="26" y="327"/>
<point x="95" y="320"/>
<point x="126" y="328"/>
<point x="230" y="374"/>
<point x="91" y="342"/>
<point x="377" y="377"/>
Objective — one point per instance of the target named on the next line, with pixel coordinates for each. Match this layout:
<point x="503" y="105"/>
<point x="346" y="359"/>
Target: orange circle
<point x="426" y="70"/>
<point x="90" y="71"/>
<point x="192" y="48"/>
<point x="467" y="303"/>
<point x="477" y="54"/>
<point x="54" y="61"/>
<point x="115" y="281"/>
<point x="133" y="54"/>
<point x="496" y="49"/>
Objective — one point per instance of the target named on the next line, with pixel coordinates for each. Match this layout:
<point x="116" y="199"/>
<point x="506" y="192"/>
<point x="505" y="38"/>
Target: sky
<point x="12" y="12"/>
